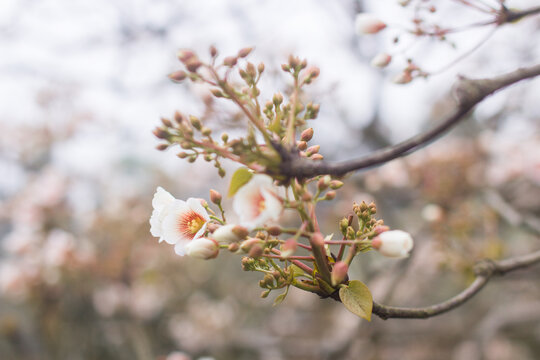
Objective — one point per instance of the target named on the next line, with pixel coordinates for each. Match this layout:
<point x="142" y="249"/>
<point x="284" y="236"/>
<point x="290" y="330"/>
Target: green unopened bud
<point x="336" y="184"/>
<point x="182" y="155"/>
<point x="351" y="234"/>
<point x="221" y="172"/>
<point x="206" y="131"/>
<point x="225" y="137"/>
<point x="260" y="68"/>
<point x="285" y="68"/>
<point x="343" y="225"/>
<point x="250" y="70"/>
<point x="277" y="99"/>
<point x="323" y="182"/>
<point x="330" y="195"/>
<point x="247" y="263"/>
<point x="293" y="61"/>
<point x="265" y="294"/>
<point x="217" y="93"/>
<point x="195" y="122"/>
<point x="166" y="122"/>
<point x="178" y="117"/>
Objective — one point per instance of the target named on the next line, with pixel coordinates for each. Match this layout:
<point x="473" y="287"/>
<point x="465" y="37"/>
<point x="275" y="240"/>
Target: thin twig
<point x="468" y="94"/>
<point x="484" y="271"/>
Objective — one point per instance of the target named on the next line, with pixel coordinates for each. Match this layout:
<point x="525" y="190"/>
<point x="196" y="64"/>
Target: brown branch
<point x="509" y="16"/>
<point x="468" y="93"/>
<point x="484" y="271"/>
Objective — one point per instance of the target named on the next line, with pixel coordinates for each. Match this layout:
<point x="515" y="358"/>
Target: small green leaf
<point x="239" y="179"/>
<point x="296" y="271"/>
<point x="279" y="299"/>
<point x="357" y="299"/>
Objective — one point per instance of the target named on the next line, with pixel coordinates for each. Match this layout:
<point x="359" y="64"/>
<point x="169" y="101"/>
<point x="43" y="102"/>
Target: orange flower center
<point x="190" y="224"/>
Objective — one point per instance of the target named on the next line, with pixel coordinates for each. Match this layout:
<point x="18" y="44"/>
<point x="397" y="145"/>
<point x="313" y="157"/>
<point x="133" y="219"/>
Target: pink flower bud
<point x="368" y="24"/>
<point x="202" y="248"/>
<point x="381" y="60"/>
<point x="394" y="243"/>
<point x="215" y="196"/>
<point x="339" y="273"/>
<point x="288" y="248"/>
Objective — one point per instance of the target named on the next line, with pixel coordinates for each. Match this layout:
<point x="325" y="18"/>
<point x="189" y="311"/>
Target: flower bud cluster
<point x="259" y="200"/>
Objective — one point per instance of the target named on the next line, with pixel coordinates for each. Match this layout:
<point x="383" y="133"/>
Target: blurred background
<point x="83" y="84"/>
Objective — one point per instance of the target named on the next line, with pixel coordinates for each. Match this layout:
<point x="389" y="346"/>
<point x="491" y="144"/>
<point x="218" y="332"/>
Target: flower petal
<point x="171" y="231"/>
<point x="180" y="248"/>
<point x="195" y="205"/>
<point x="161" y="198"/>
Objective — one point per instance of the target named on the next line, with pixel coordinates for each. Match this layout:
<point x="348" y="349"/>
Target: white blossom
<point x="257" y="202"/>
<point x="394" y="243"/>
<point x="177" y="222"/>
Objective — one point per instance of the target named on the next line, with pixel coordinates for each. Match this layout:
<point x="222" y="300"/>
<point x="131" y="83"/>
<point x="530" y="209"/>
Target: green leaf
<point x="279" y="299"/>
<point x="357" y="299"/>
<point x="296" y="271"/>
<point x="239" y="179"/>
